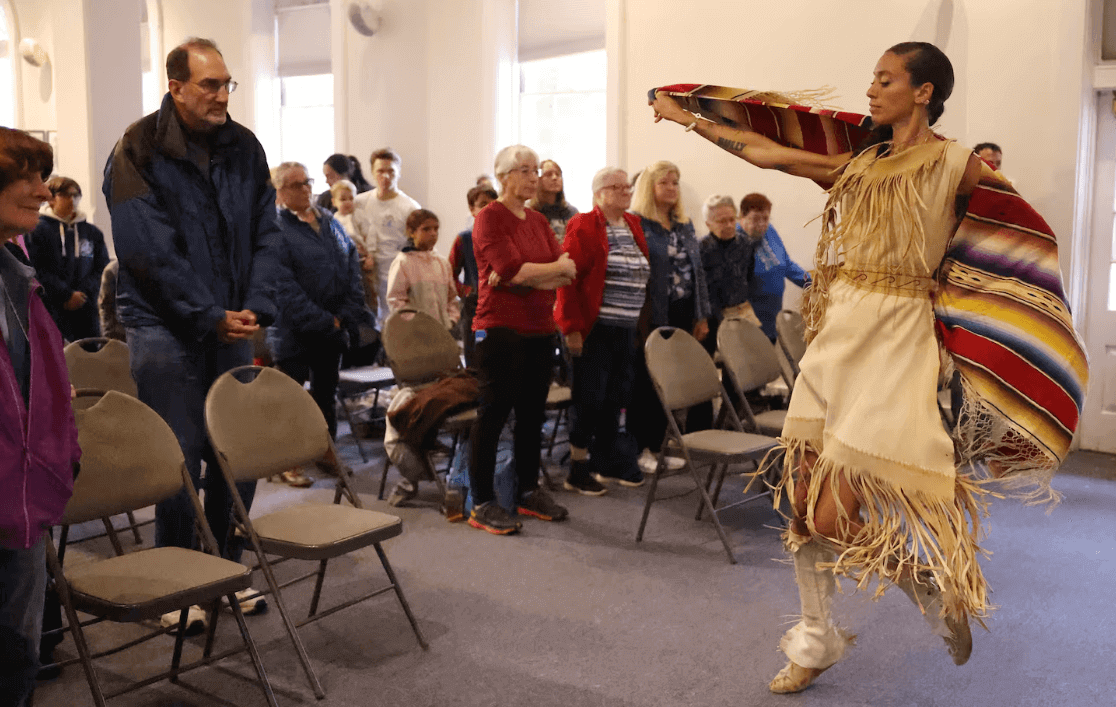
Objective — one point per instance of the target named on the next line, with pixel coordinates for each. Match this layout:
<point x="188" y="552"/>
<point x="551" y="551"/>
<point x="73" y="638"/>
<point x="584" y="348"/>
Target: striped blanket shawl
<point x="1000" y="308"/>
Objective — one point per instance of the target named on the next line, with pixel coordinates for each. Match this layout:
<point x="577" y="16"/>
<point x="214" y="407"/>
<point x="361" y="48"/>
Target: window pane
<point x="586" y="71"/>
<point x="307" y="137"/>
<point x="302" y="91"/>
<point x="562" y="117"/>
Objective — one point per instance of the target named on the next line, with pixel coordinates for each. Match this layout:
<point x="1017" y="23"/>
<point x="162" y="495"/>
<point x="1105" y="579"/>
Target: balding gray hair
<point x="714" y="202"/>
<point x="279" y="174"/>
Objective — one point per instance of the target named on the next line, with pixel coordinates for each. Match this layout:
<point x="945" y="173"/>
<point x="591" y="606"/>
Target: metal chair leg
<point x="111" y="533"/>
<point x="250" y="644"/>
<point x="399" y="595"/>
<point x="352" y="431"/>
<point x="650" y="496"/>
<point x="383" y="477"/>
<point x="716" y="521"/>
<point x="708" y="485"/>
<point x="317" y="588"/>
<point x="75" y="625"/>
<point x="135" y="527"/>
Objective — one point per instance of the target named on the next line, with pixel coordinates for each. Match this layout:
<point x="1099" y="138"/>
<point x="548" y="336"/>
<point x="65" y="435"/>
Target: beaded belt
<point x="903" y="284"/>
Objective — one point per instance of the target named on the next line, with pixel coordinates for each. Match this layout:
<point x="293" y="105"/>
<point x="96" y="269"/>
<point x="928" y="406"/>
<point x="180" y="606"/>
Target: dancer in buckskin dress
<point x="870" y="469"/>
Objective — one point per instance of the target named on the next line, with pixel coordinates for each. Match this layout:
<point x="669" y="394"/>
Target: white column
<point x="98" y="89"/>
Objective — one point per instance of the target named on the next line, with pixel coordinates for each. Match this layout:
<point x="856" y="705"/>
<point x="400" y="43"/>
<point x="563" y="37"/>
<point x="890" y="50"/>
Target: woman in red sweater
<point x="599" y="314"/>
<point x="519" y="264"/>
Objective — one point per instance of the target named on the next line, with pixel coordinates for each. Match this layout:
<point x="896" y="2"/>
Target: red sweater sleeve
<point x="570" y="312"/>
<point x="493" y="249"/>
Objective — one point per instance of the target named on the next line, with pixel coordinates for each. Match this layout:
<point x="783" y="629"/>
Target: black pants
<point x="710" y="344"/>
<point x="514" y="373"/>
<point x="645" y="417"/>
<point x="321" y="367"/>
<point x="602" y="384"/>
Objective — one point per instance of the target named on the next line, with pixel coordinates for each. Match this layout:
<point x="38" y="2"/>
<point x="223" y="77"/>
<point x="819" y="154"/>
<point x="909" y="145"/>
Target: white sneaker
<point x="251" y="601"/>
<point x="196" y="620"/>
<point x="649" y="462"/>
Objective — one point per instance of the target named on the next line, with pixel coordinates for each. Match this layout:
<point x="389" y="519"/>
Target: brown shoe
<point x="295" y="477"/>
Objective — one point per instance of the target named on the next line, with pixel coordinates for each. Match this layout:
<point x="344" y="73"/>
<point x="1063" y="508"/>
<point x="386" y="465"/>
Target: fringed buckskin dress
<point x="866" y="398"/>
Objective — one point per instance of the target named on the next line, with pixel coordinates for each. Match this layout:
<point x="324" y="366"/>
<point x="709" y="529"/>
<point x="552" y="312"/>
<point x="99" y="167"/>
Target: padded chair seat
<point x="148" y="583"/>
<point x="725" y="443"/>
<point x="314" y="531"/>
<point x="771" y="422"/>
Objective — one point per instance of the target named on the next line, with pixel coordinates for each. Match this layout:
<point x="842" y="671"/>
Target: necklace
<point x="897" y="147"/>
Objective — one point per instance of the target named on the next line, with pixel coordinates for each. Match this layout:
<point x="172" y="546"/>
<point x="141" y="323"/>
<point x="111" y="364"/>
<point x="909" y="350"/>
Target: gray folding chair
<point x="751" y="362"/>
<point x="252" y="442"/>
<point x="684" y="375"/>
<point x="131" y="459"/>
<point x="102" y="364"/>
<point x="420" y="351"/>
<point x="790" y="336"/>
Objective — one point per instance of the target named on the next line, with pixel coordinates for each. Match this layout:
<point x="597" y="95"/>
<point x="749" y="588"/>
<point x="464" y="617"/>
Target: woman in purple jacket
<point x="38" y="439"/>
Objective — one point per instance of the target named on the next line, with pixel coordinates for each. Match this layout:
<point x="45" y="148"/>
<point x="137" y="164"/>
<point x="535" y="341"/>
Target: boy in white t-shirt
<point x="380" y="220"/>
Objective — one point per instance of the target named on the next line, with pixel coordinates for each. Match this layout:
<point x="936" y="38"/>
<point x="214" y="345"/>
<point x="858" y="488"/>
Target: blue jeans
<point x="173" y="377"/>
<point x="23" y="579"/>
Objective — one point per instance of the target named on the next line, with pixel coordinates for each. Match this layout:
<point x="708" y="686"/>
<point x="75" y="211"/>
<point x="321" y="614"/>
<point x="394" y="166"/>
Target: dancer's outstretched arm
<point x="751" y="146"/>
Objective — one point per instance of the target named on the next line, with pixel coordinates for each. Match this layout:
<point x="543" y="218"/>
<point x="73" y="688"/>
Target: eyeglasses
<point x="212" y="86"/>
<point x="618" y="187"/>
<point x="305" y="184"/>
<point x="527" y="171"/>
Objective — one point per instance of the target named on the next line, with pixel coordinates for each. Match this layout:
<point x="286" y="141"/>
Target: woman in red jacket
<point x="598" y="314"/>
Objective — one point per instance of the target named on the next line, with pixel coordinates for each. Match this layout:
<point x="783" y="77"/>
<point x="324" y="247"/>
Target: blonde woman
<point x="677" y="295"/>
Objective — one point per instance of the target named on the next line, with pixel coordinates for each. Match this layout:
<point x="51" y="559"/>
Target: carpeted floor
<point x="578" y="614"/>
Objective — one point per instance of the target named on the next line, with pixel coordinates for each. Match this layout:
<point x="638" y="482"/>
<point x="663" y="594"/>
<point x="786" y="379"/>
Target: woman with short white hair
<point x="599" y="315"/>
<point x="519" y="264"/>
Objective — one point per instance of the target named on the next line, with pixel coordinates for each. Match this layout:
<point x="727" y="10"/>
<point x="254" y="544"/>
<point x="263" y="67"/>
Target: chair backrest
<point x="130" y="459"/>
<point x="106" y="368"/>
<point x="418" y="347"/>
<point x="681" y="369"/>
<point x="748" y="354"/>
<point x="790" y="331"/>
<point x="264" y="426"/>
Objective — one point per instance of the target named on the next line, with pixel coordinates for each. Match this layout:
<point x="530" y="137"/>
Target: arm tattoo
<point x="731" y="145"/>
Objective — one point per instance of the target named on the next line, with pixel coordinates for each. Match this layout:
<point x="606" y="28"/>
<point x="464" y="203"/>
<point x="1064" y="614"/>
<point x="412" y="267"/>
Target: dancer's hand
<point x="667" y="107"/>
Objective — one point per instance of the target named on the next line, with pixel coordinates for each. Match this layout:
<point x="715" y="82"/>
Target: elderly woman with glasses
<point x="321" y="299"/>
<point x="599" y="315"/>
<point x="519" y="264"/>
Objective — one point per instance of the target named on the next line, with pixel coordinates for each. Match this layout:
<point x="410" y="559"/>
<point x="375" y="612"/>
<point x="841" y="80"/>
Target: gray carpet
<point x="578" y="614"/>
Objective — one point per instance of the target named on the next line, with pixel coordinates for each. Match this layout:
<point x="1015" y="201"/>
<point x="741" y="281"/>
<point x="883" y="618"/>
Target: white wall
<point x="33" y="19"/>
<point x="1020" y="66"/>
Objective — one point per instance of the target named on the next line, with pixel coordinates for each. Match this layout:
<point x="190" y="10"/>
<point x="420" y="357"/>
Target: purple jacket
<point x="39" y="442"/>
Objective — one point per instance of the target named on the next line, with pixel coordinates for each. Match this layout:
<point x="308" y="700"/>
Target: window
<point x="8" y="65"/>
<point x="562" y="117"/>
<point x="151" y="52"/>
<point x="306" y="122"/>
<point x="305" y="79"/>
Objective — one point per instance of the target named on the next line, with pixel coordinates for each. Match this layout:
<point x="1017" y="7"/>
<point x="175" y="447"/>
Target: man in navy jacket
<point x="194" y="222"/>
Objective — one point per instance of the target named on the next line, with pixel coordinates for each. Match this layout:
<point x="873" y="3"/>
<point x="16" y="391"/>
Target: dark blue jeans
<point x="173" y="377"/>
<point x="22" y="591"/>
<point x="602" y="386"/>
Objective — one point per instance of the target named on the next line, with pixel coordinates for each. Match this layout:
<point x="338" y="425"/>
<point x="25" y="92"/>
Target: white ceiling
<point x="553" y="27"/>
